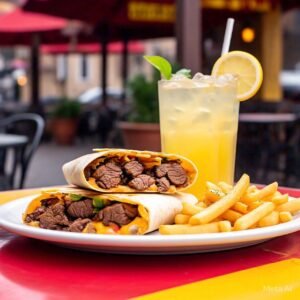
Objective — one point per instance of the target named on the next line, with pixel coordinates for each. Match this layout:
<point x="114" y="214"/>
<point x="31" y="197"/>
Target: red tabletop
<point x="32" y="269"/>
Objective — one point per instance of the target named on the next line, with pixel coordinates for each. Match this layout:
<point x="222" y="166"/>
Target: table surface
<point x="32" y="269"/>
<point x="12" y="140"/>
<point x="267" y="117"/>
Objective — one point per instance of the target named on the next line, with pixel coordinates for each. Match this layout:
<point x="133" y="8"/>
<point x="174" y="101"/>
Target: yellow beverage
<point x="199" y="120"/>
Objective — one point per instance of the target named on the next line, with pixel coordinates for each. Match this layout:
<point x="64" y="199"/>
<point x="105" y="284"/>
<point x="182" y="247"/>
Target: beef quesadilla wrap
<point x="131" y="171"/>
<point x="78" y="210"/>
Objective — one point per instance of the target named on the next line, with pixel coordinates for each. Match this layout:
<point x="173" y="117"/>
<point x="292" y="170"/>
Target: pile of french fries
<point x="227" y="208"/>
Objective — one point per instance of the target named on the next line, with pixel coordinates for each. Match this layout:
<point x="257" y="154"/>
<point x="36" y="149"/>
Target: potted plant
<point x="141" y="129"/>
<point x="65" y="121"/>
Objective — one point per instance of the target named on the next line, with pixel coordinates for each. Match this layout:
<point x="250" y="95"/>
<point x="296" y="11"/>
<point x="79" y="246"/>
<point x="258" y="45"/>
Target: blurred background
<point x="73" y="78"/>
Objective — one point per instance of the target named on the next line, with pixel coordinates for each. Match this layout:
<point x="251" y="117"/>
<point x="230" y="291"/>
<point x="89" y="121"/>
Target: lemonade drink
<point x="199" y="120"/>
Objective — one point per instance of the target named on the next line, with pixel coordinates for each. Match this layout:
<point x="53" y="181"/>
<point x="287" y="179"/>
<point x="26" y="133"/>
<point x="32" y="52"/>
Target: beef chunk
<point x="141" y="182"/>
<point x="177" y="174"/>
<point x="134" y="168"/>
<point x="173" y="171"/>
<point x="118" y="213"/>
<point x="108" y="175"/>
<point x="78" y="225"/>
<point x="54" y="217"/>
<point x="161" y="170"/>
<point x="81" y="209"/>
<point x="49" y="201"/>
<point x="34" y="215"/>
<point x="163" y="184"/>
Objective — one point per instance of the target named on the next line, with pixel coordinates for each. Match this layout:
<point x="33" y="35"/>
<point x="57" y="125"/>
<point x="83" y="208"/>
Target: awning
<point x="134" y="47"/>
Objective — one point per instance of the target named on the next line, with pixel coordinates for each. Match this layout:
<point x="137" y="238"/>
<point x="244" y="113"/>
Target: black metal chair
<point x="27" y="124"/>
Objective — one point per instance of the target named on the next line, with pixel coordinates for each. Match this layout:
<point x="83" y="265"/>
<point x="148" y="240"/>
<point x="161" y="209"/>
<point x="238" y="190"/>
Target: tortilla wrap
<point x="153" y="209"/>
<point x="74" y="171"/>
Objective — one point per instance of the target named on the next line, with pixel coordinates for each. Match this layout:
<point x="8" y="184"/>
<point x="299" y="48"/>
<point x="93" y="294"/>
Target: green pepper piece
<point x="98" y="202"/>
<point x="75" y="197"/>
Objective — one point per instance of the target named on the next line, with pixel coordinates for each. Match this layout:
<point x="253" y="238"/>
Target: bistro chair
<point x="26" y="124"/>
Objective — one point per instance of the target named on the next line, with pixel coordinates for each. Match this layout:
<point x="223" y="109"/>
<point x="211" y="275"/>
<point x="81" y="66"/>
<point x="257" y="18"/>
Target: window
<point x="84" y="67"/>
<point x="61" y="67"/>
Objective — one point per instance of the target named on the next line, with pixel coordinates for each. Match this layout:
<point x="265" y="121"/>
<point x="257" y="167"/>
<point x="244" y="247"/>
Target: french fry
<point x="211" y="186"/>
<point x="225" y="226"/>
<point x="280" y="199"/>
<point x="270" y="197"/>
<point x="269" y="220"/>
<point x="189" y="229"/>
<point x="201" y="204"/>
<point x="182" y="219"/>
<point x="190" y="209"/>
<point x="285" y="216"/>
<point x="291" y="206"/>
<point x="213" y="192"/>
<point x="240" y="207"/>
<point x="261" y="194"/>
<point x="254" y="204"/>
<point x="225" y="187"/>
<point x="253" y="216"/>
<point x="231" y="215"/>
<point x="251" y="189"/>
<point x="219" y="207"/>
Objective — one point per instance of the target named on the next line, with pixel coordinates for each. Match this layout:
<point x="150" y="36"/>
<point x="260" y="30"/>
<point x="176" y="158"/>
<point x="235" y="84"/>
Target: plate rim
<point x="155" y="240"/>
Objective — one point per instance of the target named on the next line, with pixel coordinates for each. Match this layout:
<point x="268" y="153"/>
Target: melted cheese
<point x="137" y="226"/>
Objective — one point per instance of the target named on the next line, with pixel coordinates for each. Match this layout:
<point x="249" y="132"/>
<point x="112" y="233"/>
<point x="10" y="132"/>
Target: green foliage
<point x="145" y="99"/>
<point x="67" y="108"/>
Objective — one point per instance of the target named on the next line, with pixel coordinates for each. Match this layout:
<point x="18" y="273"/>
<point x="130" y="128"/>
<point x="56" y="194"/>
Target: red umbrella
<point x="25" y="28"/>
<point x="20" y="21"/>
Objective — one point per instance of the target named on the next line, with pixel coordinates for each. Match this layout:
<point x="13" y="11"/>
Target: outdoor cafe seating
<point x="20" y="136"/>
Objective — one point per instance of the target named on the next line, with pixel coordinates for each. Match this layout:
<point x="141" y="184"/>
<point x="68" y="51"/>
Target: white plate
<point x="11" y="220"/>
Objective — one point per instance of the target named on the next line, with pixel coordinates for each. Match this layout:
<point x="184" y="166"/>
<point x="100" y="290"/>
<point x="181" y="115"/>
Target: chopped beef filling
<point x="118" y="213"/>
<point x="162" y="170"/>
<point x="81" y="209"/>
<point x="112" y="173"/>
<point x="54" y="217"/>
<point x="141" y="182"/>
<point x="78" y="225"/>
<point x="174" y="172"/>
<point x="134" y="168"/>
<point x="163" y="184"/>
<point x="49" y="202"/>
<point x="77" y="215"/>
<point x="108" y="176"/>
<point x="34" y="215"/>
<point x="177" y="174"/>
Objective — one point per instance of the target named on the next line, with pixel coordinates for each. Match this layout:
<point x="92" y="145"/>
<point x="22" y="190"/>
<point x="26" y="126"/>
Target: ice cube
<point x="198" y="76"/>
<point x="176" y="77"/>
<point x="225" y="79"/>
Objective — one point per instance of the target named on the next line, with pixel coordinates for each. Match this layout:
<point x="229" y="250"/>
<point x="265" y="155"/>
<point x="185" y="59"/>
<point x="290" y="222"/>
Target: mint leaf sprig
<point x="164" y="67"/>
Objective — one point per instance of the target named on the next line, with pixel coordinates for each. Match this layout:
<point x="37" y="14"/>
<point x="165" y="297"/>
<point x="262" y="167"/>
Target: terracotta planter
<point x="64" y="131"/>
<point x="141" y="136"/>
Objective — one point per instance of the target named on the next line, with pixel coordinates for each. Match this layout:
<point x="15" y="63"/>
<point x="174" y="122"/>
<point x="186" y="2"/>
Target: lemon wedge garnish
<point x="246" y="67"/>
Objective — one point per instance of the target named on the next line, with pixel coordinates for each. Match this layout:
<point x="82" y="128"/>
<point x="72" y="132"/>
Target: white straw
<point x="227" y="36"/>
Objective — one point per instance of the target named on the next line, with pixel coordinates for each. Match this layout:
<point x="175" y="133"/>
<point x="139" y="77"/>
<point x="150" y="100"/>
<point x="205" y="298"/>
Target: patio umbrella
<point x="25" y="28"/>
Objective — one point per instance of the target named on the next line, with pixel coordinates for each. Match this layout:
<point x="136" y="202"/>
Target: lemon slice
<point x="248" y="69"/>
